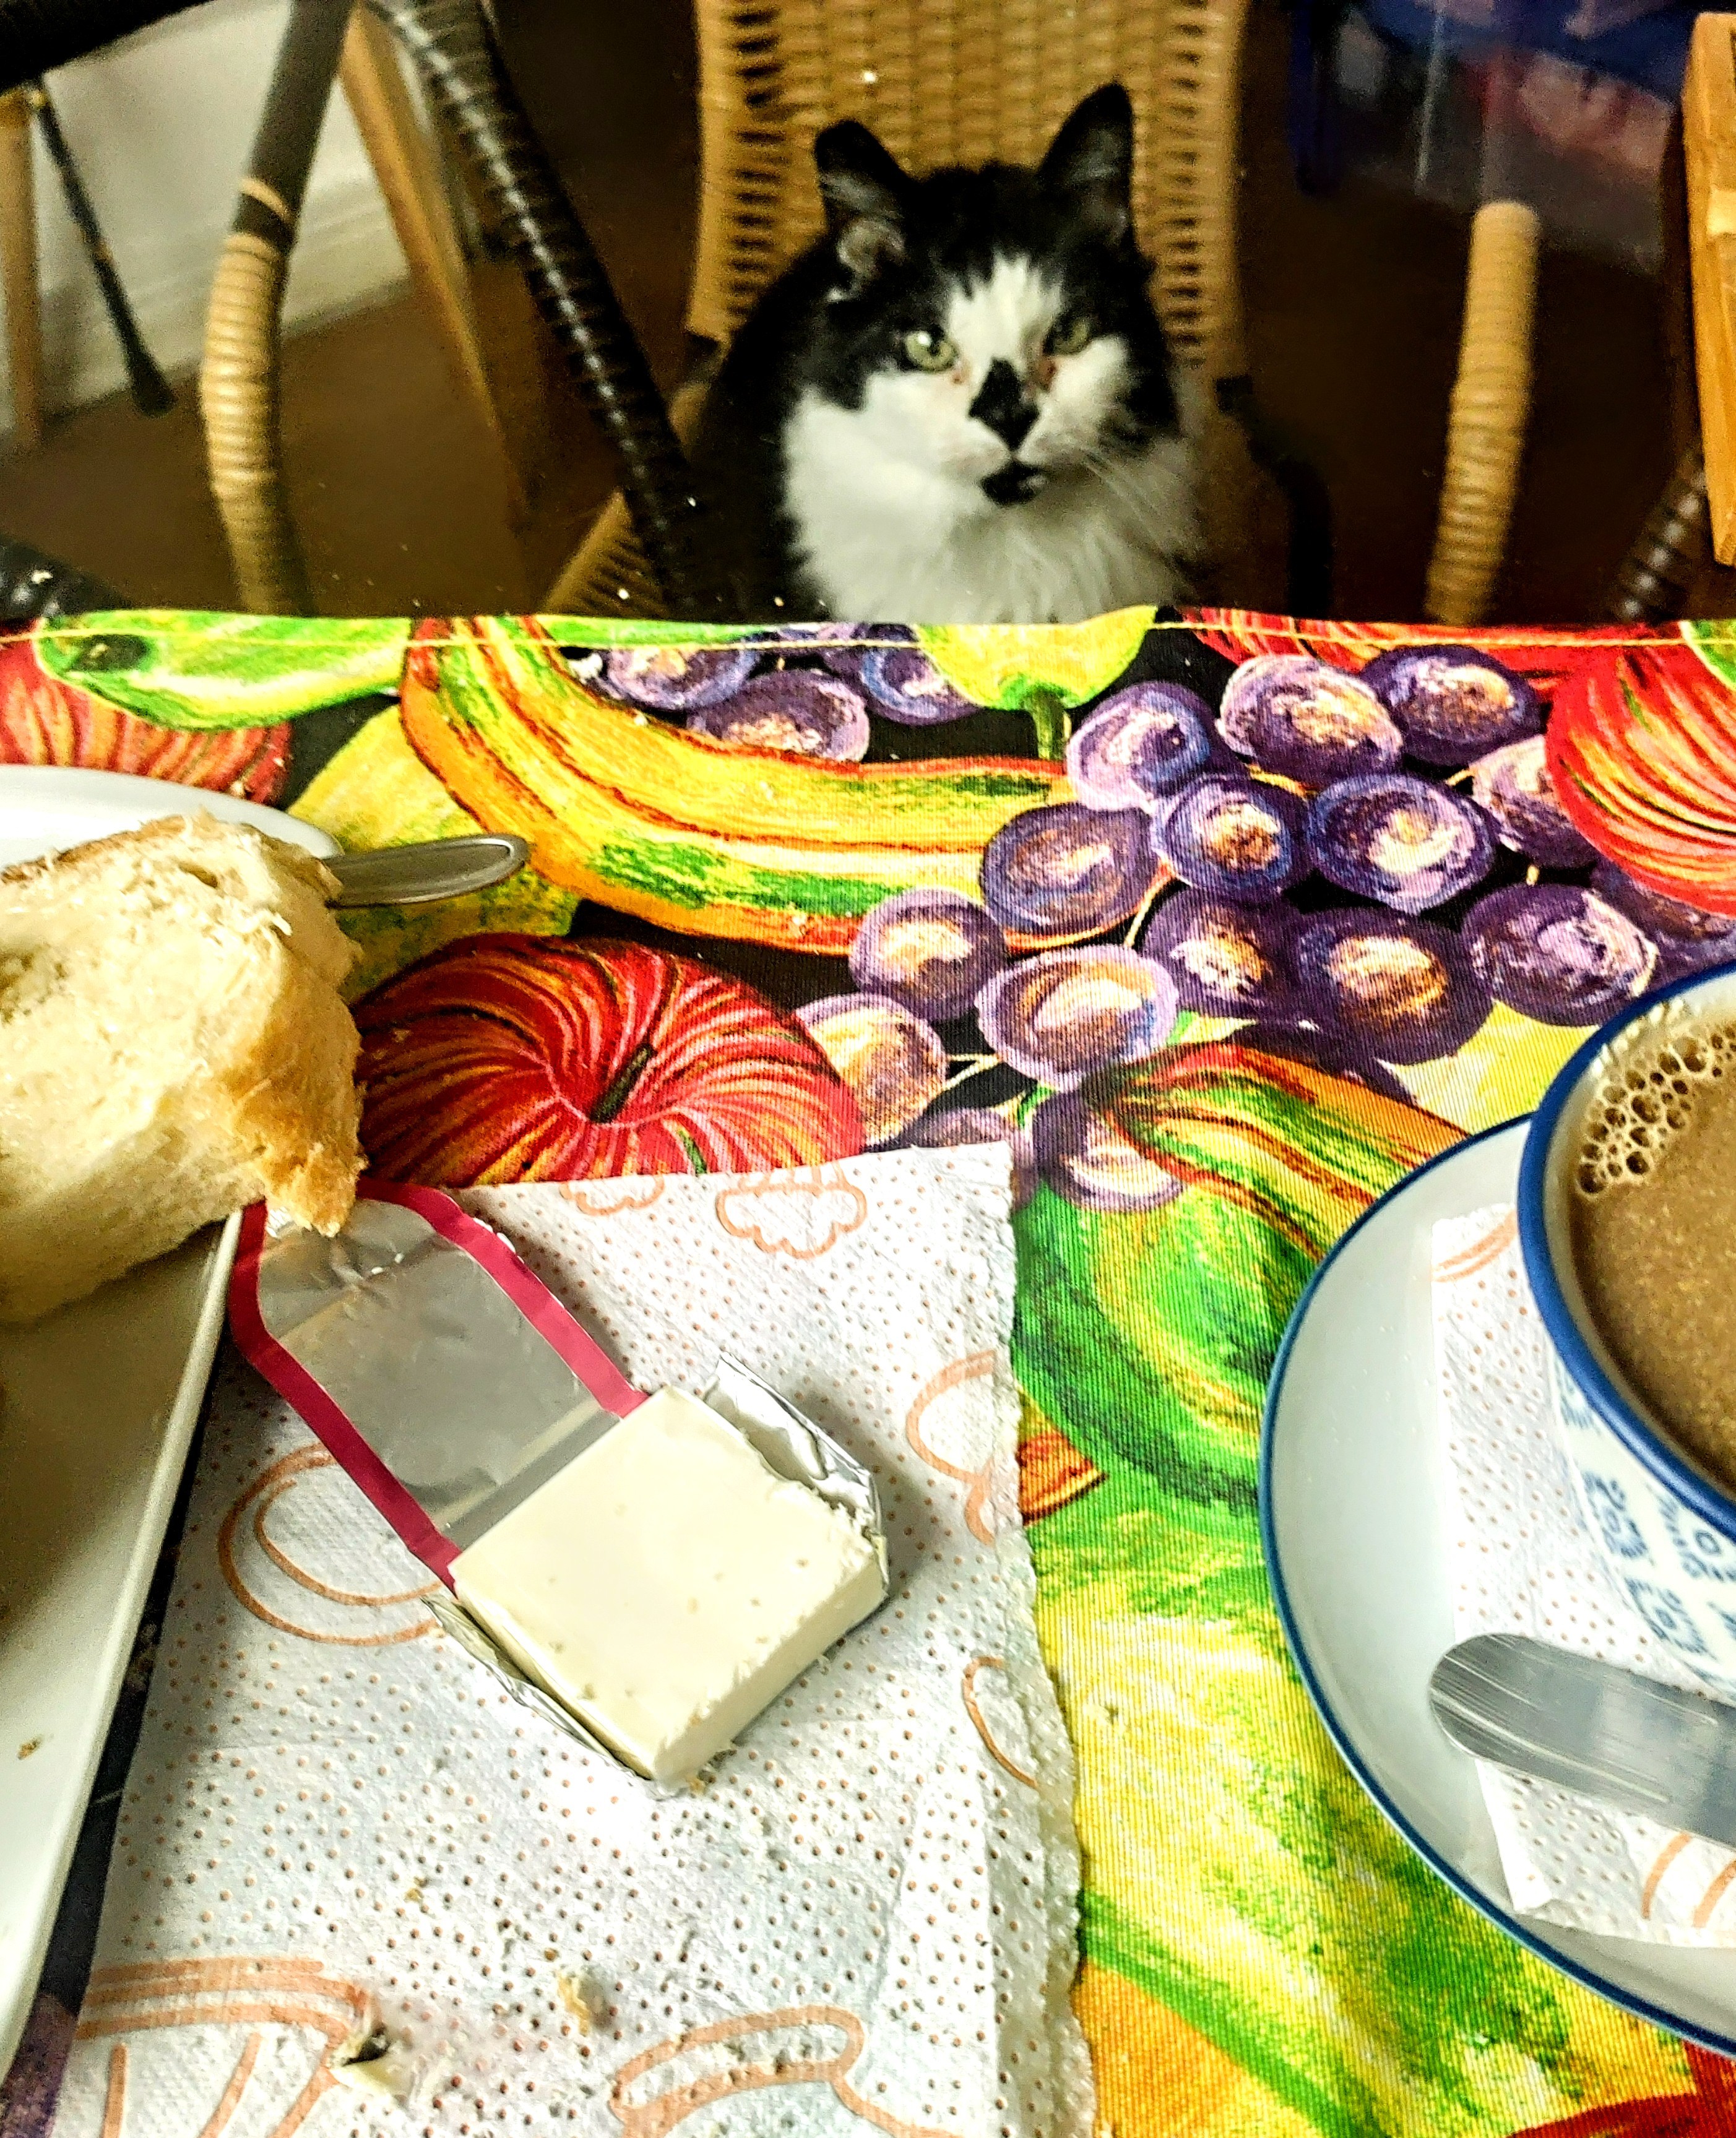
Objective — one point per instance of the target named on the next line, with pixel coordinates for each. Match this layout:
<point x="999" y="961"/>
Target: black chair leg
<point x="1670" y="550"/>
<point x="461" y="67"/>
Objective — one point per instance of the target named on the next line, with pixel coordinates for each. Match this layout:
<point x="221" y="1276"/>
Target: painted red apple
<point x="529" y="1057"/>
<point x="45" y="721"/>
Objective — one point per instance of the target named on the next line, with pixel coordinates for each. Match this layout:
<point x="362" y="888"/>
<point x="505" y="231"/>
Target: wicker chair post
<point x="1196" y="221"/>
<point x="1491" y="404"/>
<point x="238" y="379"/>
<point x="20" y="296"/>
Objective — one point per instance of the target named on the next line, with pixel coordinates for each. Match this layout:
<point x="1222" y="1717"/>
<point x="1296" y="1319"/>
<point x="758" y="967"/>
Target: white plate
<point x="99" y="1404"/>
<point x="45" y="810"/>
<point x="1352" y="1482"/>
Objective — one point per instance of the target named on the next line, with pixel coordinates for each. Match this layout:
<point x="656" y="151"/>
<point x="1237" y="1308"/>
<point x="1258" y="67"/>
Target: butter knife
<point x="432" y="869"/>
<point x="1590" y="1727"/>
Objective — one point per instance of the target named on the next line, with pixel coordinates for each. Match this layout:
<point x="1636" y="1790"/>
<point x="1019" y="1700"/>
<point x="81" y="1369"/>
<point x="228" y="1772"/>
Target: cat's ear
<point x="1091" y="161"/>
<point x="865" y="193"/>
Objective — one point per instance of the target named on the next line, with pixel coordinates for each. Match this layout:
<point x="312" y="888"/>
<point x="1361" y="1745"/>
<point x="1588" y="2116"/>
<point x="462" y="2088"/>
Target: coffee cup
<point x="1662" y="1525"/>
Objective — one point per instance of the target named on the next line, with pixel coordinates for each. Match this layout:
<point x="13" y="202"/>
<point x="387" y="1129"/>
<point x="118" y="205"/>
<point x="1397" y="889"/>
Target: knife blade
<point x="1593" y="1728"/>
<point x="432" y="869"/>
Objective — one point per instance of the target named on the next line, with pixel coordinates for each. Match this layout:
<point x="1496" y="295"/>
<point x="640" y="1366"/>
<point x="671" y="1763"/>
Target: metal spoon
<point x="434" y="869"/>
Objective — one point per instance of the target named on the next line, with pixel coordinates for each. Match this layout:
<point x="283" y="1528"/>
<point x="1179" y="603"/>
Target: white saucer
<point x="1352" y="1486"/>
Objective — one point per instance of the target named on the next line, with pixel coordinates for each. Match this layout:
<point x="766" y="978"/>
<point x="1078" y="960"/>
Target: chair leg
<point x="18" y="269"/>
<point x="421" y="210"/>
<point x="1669" y="552"/>
<point x="239" y="377"/>
<point x="606" y="575"/>
<point x="1491" y="406"/>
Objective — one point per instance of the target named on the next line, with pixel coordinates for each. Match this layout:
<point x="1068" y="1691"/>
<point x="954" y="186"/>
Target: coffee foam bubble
<point x="1645" y="1097"/>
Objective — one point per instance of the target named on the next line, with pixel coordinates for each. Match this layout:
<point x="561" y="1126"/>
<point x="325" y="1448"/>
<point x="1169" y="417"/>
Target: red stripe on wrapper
<point x="591" y="1365"/>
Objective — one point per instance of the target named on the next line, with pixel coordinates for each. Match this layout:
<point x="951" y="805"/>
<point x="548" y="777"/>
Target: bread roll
<point x="172" y="1048"/>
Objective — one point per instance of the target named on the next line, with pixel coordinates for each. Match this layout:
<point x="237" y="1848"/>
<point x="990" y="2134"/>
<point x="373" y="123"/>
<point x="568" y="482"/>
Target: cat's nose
<point x="1000" y="403"/>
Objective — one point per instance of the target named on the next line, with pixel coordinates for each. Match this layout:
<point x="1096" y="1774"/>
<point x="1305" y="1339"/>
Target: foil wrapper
<point x="793" y="1446"/>
<point x="451" y="1383"/>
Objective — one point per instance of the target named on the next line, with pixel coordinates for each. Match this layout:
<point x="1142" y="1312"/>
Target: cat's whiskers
<point x="1145" y="509"/>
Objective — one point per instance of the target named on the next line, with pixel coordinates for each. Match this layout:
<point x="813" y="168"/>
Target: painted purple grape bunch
<point x="1394" y="812"/>
<point x="1353" y="870"/>
<point x="1162" y="888"/>
<point x="1019" y="981"/>
<point x="809" y="689"/>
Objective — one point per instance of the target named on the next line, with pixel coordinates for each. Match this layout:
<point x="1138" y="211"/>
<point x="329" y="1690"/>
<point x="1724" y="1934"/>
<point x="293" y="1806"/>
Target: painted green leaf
<point x="1236" y="1873"/>
<point x="1149" y="1336"/>
<point x="1239" y="1874"/>
<point x="187" y="669"/>
<point x="645" y="631"/>
<point x="1715" y="641"/>
<point x="1016" y="666"/>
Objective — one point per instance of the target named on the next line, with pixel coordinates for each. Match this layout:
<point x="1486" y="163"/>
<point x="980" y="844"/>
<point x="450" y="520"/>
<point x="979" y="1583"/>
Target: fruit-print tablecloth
<point x="1225" y="923"/>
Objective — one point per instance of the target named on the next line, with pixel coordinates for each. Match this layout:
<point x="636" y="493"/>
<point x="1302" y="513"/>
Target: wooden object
<point x="18" y="269"/>
<point x="409" y="176"/>
<point x="1709" y="139"/>
<point x="1490" y="406"/>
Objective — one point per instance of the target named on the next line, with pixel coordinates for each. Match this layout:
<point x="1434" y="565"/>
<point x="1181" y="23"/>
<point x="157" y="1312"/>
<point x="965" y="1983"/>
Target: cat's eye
<point x="929" y="352"/>
<point x="1069" y="336"/>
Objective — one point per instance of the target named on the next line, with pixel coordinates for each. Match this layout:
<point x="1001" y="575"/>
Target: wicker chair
<point x="940" y="80"/>
<point x="947" y="82"/>
<point x="454" y="52"/>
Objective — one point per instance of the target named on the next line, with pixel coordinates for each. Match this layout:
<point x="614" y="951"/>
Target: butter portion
<point x="668" y="1585"/>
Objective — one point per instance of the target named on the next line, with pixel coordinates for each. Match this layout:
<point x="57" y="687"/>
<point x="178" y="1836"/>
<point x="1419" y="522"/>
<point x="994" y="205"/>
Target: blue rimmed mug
<point x="1664" y="1526"/>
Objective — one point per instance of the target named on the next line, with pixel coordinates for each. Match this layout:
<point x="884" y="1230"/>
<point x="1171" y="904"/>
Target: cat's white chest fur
<point x="885" y="542"/>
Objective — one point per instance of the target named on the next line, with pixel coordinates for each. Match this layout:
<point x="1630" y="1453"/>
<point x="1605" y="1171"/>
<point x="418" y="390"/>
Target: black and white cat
<point x="957" y="407"/>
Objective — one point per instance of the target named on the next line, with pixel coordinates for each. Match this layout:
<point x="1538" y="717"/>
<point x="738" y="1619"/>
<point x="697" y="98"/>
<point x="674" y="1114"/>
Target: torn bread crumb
<point x="581" y="1996"/>
<point x="370" y="2061"/>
